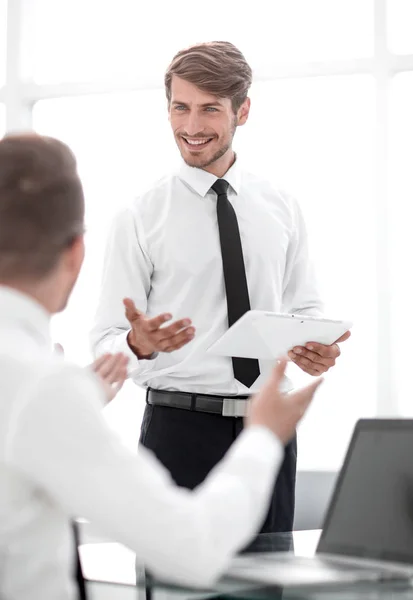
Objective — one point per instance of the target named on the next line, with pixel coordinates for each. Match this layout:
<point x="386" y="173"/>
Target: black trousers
<point x="190" y="444"/>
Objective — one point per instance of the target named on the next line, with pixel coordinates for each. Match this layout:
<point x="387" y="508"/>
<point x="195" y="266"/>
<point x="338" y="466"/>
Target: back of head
<point x="218" y="68"/>
<point x="41" y="205"/>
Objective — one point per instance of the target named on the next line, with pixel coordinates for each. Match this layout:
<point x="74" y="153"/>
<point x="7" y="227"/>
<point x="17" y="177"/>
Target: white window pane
<point x="313" y="137"/>
<point x="122" y="143"/>
<point x="2" y="120"/>
<point x="400" y="221"/>
<point x="128" y="39"/>
<point x="400" y="20"/>
<point x="3" y="25"/>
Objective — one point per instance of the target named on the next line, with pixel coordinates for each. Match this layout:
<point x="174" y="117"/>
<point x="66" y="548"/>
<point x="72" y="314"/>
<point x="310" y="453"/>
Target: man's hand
<point x="148" y="336"/>
<point x="111" y="368"/>
<point x="316" y="359"/>
<point x="113" y="371"/>
<point x="280" y="412"/>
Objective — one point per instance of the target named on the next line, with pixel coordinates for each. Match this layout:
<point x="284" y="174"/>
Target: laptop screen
<point x="371" y="511"/>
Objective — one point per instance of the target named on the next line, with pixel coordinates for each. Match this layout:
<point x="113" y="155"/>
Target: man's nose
<point x="194" y="124"/>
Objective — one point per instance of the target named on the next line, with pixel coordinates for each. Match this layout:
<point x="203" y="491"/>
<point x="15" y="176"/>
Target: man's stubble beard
<point x="218" y="154"/>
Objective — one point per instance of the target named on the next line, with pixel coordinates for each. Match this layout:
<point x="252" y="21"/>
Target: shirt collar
<point x="20" y="309"/>
<point x="201" y="181"/>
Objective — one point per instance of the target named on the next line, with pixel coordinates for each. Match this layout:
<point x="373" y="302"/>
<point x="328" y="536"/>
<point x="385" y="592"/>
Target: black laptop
<point x="368" y="529"/>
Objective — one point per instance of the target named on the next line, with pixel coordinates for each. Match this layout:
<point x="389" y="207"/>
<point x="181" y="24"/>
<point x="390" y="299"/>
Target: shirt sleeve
<point x="127" y="271"/>
<point x="300" y="287"/>
<point x="62" y="443"/>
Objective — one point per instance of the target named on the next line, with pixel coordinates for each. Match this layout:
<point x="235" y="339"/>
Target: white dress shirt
<point x="164" y="253"/>
<point x="58" y="458"/>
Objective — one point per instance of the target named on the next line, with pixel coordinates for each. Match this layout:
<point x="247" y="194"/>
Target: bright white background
<point x="331" y="122"/>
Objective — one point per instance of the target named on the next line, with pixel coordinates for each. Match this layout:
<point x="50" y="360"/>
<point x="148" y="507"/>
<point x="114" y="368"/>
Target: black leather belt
<point x="235" y="406"/>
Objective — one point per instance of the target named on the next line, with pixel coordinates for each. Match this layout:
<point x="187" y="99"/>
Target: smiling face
<point x="204" y="126"/>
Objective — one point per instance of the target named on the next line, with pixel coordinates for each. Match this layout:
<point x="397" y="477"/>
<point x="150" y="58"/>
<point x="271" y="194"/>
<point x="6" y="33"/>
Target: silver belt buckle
<point x="233" y="407"/>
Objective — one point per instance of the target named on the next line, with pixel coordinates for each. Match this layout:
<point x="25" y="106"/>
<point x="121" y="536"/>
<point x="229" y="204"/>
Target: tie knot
<point x="220" y="187"/>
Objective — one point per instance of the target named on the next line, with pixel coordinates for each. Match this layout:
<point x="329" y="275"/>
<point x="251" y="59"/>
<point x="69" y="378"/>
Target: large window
<point x="400" y="19"/>
<point x="323" y="129"/>
<point x="127" y="39"/>
<point x="2" y="119"/>
<point x="3" y="23"/>
<point x="325" y="101"/>
<point x="401" y="213"/>
<point x="120" y="142"/>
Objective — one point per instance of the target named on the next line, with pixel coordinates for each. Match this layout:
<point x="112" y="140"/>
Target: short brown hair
<point x="41" y="205"/>
<point x="215" y="67"/>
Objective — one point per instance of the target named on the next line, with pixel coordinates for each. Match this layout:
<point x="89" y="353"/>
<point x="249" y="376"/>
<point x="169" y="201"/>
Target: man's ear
<point x="243" y="112"/>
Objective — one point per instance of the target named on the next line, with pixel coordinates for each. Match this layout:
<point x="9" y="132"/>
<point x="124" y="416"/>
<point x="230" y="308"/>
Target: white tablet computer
<point x="269" y="335"/>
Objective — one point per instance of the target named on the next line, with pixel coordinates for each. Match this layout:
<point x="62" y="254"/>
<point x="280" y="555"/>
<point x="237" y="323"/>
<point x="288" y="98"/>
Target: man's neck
<point x="35" y="291"/>
<point x="222" y="165"/>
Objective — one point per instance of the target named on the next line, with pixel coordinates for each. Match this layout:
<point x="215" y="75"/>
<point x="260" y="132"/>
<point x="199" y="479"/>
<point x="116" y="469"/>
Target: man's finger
<point x="168" y="332"/>
<point x="314" y="372"/>
<point x="118" y="386"/>
<point x="309" y="391"/>
<point x="304" y="362"/>
<point x="155" y="323"/>
<point x="58" y="348"/>
<point x="180" y="344"/>
<point x="323" y="350"/>
<point x="278" y="371"/>
<point x="313" y="369"/>
<point x="118" y="372"/>
<point x="344" y="337"/>
<point x="299" y="352"/>
<point x="95" y="366"/>
<point x="334" y="350"/>
<point x="304" y="395"/>
<point x="176" y="341"/>
<point x="108" y="366"/>
<point x="131" y="312"/>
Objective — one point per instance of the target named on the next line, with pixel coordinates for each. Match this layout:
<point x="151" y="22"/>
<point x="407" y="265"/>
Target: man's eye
<point x="211" y="109"/>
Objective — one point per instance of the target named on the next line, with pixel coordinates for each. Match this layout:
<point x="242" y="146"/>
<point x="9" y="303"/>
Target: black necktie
<point x="77" y="566"/>
<point x="246" y="370"/>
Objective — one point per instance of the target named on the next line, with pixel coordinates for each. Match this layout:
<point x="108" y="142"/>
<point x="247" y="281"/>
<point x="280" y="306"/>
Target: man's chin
<point x="199" y="164"/>
<point x="196" y="160"/>
<point x="202" y="159"/>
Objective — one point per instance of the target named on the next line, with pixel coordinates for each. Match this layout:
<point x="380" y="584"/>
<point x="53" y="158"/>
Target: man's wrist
<point x="130" y="338"/>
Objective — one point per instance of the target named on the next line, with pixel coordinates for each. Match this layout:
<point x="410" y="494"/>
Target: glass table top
<point x="112" y="573"/>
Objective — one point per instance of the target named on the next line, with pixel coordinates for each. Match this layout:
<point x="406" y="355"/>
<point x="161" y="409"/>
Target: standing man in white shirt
<point x="204" y="245"/>
<point x="58" y="457"/>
